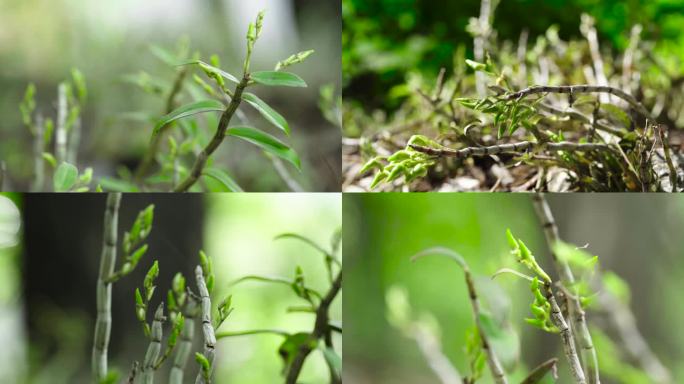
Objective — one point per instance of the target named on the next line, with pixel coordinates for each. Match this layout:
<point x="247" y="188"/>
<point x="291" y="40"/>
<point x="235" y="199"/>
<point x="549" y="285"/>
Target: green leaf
<point x="278" y="79"/>
<point x="224" y="178"/>
<point x="266" y="142"/>
<point x="293" y="343"/>
<point x="267" y="112"/>
<point x="65" y="177"/>
<point x="475" y="65"/>
<point x="117" y="185"/>
<point x="211" y="68"/>
<point x="617" y="114"/>
<point x="333" y="359"/>
<point x="47" y="156"/>
<point x="189" y="110"/>
<point x="504" y="342"/>
<point x="164" y="55"/>
<point x="542" y="374"/>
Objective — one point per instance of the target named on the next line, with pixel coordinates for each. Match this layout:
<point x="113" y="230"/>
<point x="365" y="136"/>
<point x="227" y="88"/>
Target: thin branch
<point x="218" y="138"/>
<point x="576" y="313"/>
<point x="574" y="114"/>
<point x="103" y="323"/>
<point x="566" y="336"/>
<point x="492" y="360"/>
<point x="207" y="327"/>
<point x="633" y="342"/>
<point x="572" y="89"/>
<point x="155" y="140"/>
<point x="278" y="332"/>
<point x="285" y="175"/>
<point x="511" y="148"/>
<point x="542" y="370"/>
<point x="320" y="329"/>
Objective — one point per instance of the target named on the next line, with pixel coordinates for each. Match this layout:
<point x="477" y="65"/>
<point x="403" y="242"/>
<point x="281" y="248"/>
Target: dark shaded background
<point x="385" y="39"/>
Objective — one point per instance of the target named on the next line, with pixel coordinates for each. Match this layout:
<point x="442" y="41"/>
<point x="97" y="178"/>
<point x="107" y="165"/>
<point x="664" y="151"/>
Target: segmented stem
<point x="218" y="138"/>
<point x="185" y="344"/>
<point x="576" y="313"/>
<point x="320" y="328"/>
<point x="566" y="336"/>
<point x="207" y="326"/>
<point x="509" y="148"/>
<point x="103" y="323"/>
<point x="153" y="350"/>
<point x="572" y="89"/>
<point x="61" y="131"/>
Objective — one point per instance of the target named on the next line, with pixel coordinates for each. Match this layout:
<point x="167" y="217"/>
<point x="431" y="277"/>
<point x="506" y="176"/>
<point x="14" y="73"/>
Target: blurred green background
<point x="47" y="300"/>
<point x="40" y="41"/>
<point x="637" y="236"/>
<point x="384" y="39"/>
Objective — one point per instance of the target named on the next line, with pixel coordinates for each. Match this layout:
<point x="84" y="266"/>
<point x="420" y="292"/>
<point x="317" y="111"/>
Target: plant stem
<point x="185" y="344"/>
<point x="668" y="158"/>
<point x="479" y="43"/>
<point x="221" y="335"/>
<point x="103" y="323"/>
<point x="74" y="141"/>
<point x="492" y="360"/>
<point x="566" y="336"/>
<point x="216" y="141"/>
<point x="3" y="170"/>
<point x="38" y="149"/>
<point x="571" y="89"/>
<point x="540" y="371"/>
<point x="589" y="31"/>
<point x="576" y="313"/>
<point x="574" y="114"/>
<point x="207" y="327"/>
<point x="155" y="346"/>
<point x="633" y="342"/>
<point x="509" y="148"/>
<point x="438" y="362"/>
<point x="61" y="133"/>
<point x="320" y="328"/>
<point x="155" y="140"/>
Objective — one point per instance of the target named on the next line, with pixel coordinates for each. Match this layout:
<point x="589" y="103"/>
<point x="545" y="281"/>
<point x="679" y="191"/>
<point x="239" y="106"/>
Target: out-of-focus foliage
<point x="110" y="44"/>
<point x="383" y="231"/>
<point x="385" y="39"/>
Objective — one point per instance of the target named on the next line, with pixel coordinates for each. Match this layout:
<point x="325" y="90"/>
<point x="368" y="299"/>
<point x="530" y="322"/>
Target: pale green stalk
<point x="38" y="162"/>
<point x="207" y="327"/>
<point x="153" y="350"/>
<point x="575" y="311"/>
<point x="61" y="131"/>
<point x="185" y="344"/>
<point x="103" y="323"/>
